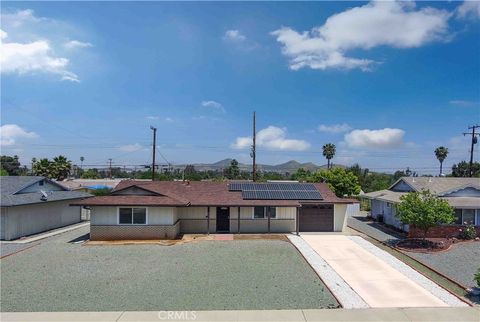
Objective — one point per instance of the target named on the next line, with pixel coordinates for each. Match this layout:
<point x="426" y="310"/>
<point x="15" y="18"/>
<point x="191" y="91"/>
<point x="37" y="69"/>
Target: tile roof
<point x="9" y="185"/>
<point x="201" y="193"/>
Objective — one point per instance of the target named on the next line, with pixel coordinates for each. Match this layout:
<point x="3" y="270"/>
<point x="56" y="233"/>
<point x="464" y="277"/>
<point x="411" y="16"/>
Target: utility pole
<point x="110" y="168"/>
<point x="253" y="154"/>
<point x="153" y="150"/>
<point x="474" y="141"/>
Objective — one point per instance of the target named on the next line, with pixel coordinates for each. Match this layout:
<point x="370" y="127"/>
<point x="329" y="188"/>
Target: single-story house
<point x="164" y="209"/>
<point x="30" y="205"/>
<point x="463" y="194"/>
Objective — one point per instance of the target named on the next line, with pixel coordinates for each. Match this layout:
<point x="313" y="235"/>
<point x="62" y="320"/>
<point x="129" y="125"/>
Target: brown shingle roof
<point x="201" y="193"/>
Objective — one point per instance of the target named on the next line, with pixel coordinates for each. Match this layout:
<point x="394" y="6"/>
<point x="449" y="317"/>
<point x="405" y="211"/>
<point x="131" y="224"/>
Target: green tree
<point x="301" y="174"/>
<point x="58" y="169"/>
<point x="343" y="183"/>
<point x="62" y="167"/>
<point x="424" y="211"/>
<point x="3" y="172"/>
<point x="441" y="153"/>
<point x="44" y="168"/>
<point x="92" y="174"/>
<point x="329" y="152"/>
<point x="462" y="169"/>
<point x="233" y="171"/>
<point x="10" y="164"/>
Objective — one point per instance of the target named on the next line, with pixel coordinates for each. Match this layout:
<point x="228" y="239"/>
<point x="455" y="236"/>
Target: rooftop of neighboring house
<point x="439" y="185"/>
<point x="459" y="192"/>
<point x="197" y="193"/>
<point x="24" y="190"/>
<point x="76" y="184"/>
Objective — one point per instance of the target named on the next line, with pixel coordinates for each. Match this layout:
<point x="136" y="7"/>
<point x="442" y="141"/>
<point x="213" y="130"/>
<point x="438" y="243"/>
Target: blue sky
<point x="386" y="82"/>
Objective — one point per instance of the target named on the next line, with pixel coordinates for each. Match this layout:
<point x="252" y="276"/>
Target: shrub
<point x="468" y="232"/>
<point x="476" y="277"/>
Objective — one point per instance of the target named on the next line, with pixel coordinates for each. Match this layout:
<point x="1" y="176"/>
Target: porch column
<point x="238" y="223"/>
<point x="208" y="220"/>
<point x="268" y="218"/>
<point x="297" y="224"/>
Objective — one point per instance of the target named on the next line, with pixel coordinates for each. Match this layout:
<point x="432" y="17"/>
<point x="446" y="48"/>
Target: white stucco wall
<point x="155" y="215"/>
<point x="26" y="220"/>
<point x="339" y="217"/>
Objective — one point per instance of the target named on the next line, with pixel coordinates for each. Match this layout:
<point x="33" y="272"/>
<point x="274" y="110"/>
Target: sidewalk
<point x="361" y="315"/>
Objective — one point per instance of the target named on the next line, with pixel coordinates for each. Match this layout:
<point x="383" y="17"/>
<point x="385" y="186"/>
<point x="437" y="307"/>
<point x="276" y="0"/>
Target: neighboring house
<point x="463" y="194"/>
<point x="31" y="205"/>
<point x="92" y="184"/>
<point x="164" y="209"/>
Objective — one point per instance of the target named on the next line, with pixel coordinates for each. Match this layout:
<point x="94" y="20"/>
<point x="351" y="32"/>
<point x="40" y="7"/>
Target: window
<point x="478" y="217"/>
<point x="389" y="205"/>
<point x="468" y="216"/>
<point x="132" y="216"/>
<point x="261" y="212"/>
<point x="273" y="212"/>
<point x="40" y="183"/>
<point x="258" y="213"/>
<point x="458" y="216"/>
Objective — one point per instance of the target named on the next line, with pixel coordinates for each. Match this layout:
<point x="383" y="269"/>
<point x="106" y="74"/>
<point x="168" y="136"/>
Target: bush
<point x="476" y="277"/>
<point x="468" y="232"/>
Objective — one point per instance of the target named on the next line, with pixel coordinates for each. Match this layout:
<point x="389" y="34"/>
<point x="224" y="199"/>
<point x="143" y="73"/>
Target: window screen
<point x="259" y="212"/>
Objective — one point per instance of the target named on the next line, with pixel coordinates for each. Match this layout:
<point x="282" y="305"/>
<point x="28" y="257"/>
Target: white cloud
<point x="234" y="35"/>
<point x="272" y="138"/>
<point x="31" y="45"/>
<point x="334" y="128"/>
<point x="382" y="23"/>
<point x="20" y="17"/>
<point x="33" y="57"/>
<point x="130" y="147"/>
<point x="214" y="105"/>
<point x="168" y="119"/>
<point x="9" y="133"/>
<point x="375" y="139"/>
<point x="152" y="117"/>
<point x="463" y="103"/>
<point x="74" y="44"/>
<point x="469" y="9"/>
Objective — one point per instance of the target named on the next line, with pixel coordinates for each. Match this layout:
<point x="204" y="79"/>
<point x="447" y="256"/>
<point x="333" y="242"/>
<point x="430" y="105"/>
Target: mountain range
<point x="290" y="166"/>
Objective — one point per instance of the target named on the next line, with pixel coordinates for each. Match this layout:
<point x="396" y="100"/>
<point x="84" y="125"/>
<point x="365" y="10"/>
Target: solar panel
<point x="281" y="195"/>
<point x="276" y="191"/>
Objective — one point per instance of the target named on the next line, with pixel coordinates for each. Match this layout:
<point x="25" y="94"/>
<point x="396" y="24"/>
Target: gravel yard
<point x="209" y="275"/>
<point x="458" y="263"/>
<point x="7" y="249"/>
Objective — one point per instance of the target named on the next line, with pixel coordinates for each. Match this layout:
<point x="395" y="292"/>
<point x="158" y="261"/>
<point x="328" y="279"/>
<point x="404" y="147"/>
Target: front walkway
<point x="378" y="282"/>
<point x="361" y="315"/>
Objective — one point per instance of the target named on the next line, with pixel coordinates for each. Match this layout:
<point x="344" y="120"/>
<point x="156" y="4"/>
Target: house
<point x="164" y="209"/>
<point x="31" y="205"/>
<point x="463" y="194"/>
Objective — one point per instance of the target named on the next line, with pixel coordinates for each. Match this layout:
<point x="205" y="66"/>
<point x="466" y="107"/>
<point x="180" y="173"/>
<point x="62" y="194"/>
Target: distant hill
<point x="290" y="166"/>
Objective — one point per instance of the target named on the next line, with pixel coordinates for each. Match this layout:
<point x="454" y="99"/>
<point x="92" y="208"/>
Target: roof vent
<point x="44" y="196"/>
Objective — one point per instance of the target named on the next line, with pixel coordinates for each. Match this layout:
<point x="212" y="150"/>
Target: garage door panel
<point x="313" y="219"/>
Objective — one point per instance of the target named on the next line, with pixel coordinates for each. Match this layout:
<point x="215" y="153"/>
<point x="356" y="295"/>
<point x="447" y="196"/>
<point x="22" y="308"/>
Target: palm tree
<point x="81" y="162"/>
<point x="441" y="154"/>
<point x="62" y="167"/>
<point x="329" y="152"/>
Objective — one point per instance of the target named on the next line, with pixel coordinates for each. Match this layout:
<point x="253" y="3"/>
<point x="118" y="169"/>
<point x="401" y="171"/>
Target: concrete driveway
<point x="378" y="283"/>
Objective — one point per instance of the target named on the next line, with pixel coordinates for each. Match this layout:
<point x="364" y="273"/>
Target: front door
<point x="223" y="219"/>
